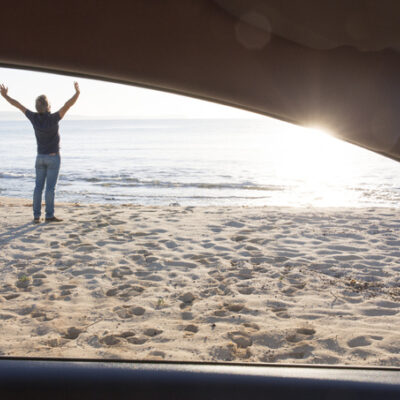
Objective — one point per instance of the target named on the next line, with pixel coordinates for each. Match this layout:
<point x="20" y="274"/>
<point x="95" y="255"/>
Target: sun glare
<point x="315" y="163"/>
<point x="312" y="155"/>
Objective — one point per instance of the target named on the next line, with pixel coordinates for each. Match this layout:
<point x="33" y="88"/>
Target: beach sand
<point x="220" y="284"/>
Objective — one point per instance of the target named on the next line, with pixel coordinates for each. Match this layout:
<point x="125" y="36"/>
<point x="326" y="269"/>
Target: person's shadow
<point x="17" y="232"/>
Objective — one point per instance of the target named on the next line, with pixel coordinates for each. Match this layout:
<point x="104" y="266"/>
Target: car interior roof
<point x="306" y="62"/>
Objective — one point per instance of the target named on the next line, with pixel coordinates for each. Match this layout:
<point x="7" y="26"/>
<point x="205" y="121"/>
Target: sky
<point x="104" y="99"/>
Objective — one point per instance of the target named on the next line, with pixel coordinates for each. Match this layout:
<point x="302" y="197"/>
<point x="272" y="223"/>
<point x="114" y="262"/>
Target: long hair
<point x="42" y="104"/>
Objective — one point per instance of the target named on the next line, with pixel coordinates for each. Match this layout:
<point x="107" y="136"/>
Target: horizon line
<point x="13" y="115"/>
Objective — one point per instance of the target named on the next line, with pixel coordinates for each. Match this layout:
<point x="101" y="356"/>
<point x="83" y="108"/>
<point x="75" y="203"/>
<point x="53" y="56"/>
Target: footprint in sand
<point x="241" y="339"/>
<point x="215" y="229"/>
<point x="252" y="248"/>
<point x="126" y="312"/>
<point x="140" y="234"/>
<point x="157" y="354"/>
<point x="239" y="238"/>
<point x="332" y="345"/>
<point x="54" y="244"/>
<point x="306" y="331"/>
<point x="137" y="340"/>
<point x="66" y="287"/>
<point x="378" y="312"/>
<point x="269" y="340"/>
<point x="85" y="248"/>
<point x="300" y="334"/>
<point x="41" y="330"/>
<point x="297" y="353"/>
<point x="151" y="332"/>
<point x="72" y="333"/>
<point x="110" y="340"/>
<point x="290" y="290"/>
<point x="42" y="316"/>
<point x="88" y="273"/>
<point x="223" y="353"/>
<point x="246" y="290"/>
<point x="137" y="310"/>
<point x="220" y="313"/>
<point x="33" y="270"/>
<point x="26" y="310"/>
<point x="93" y="341"/>
<point x="38" y="279"/>
<point x="170" y="244"/>
<point x="121" y="272"/>
<point x="187" y="298"/>
<point x="359" y="341"/>
<point x="235" y="307"/>
<point x="180" y="264"/>
<point x="235" y="224"/>
<point x="251" y="326"/>
<point x="6" y="288"/>
<point x="11" y="296"/>
<point x="245" y="273"/>
<point x="125" y="291"/>
<point x="362" y="354"/>
<point x="279" y="308"/>
<point x="56" y="342"/>
<point x="191" y="328"/>
<point x="186" y="315"/>
<point x="5" y="317"/>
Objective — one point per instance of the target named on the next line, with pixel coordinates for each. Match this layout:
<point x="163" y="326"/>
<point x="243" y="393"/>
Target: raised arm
<point x="70" y="102"/>
<point x="15" y="103"/>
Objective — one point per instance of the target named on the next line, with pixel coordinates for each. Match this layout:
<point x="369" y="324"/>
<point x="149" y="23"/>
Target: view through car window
<point x="184" y="230"/>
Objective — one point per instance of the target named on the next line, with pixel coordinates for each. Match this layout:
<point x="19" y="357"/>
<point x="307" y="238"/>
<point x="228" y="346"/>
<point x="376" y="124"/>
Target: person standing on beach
<point x="45" y="125"/>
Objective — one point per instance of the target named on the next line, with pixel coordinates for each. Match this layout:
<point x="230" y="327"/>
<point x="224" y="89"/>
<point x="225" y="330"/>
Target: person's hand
<point x="3" y="90"/>
<point x="76" y="85"/>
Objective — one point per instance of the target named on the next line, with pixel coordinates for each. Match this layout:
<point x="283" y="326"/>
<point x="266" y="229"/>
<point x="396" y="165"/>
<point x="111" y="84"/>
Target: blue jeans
<point x="47" y="169"/>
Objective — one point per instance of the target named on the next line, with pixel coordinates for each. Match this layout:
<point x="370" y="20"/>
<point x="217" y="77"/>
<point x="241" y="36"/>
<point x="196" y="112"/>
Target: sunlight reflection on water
<point x="203" y="162"/>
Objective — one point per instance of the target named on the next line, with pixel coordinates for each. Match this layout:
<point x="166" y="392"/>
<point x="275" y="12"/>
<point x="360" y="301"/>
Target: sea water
<point x="200" y="162"/>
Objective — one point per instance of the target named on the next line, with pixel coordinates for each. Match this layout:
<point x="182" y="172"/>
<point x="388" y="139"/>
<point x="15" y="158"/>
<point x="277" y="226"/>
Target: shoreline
<point x="18" y="201"/>
<point x="202" y="283"/>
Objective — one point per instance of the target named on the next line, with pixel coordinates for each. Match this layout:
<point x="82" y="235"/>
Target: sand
<point x="219" y="284"/>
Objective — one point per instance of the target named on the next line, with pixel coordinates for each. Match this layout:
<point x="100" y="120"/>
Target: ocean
<point x="247" y="162"/>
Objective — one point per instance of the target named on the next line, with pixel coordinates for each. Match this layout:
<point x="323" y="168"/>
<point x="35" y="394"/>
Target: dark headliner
<point x="300" y="61"/>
